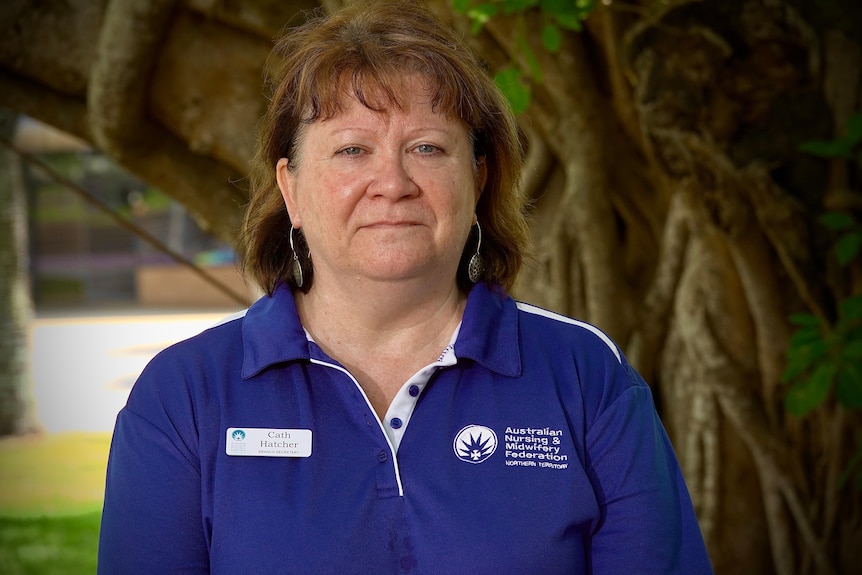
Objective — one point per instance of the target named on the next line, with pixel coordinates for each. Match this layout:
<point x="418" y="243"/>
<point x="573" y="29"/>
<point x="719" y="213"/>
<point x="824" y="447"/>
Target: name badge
<point x="260" y="442"/>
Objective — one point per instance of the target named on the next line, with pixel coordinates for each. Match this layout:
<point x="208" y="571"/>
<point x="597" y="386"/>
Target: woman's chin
<point x="401" y="270"/>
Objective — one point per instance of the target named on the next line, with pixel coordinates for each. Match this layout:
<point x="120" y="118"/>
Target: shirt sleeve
<point x="151" y="521"/>
<point x="647" y="522"/>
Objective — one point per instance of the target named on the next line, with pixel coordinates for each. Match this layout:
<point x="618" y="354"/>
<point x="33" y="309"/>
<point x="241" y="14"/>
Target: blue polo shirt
<point x="530" y="446"/>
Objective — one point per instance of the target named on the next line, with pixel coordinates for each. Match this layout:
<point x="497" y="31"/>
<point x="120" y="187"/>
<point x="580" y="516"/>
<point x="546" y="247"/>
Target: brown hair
<point x="368" y="48"/>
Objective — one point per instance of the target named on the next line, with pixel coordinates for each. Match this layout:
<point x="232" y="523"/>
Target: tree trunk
<point x="673" y="208"/>
<point x="17" y="409"/>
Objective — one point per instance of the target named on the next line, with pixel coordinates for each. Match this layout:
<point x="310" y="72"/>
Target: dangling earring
<point x="476" y="267"/>
<point x="297" y="266"/>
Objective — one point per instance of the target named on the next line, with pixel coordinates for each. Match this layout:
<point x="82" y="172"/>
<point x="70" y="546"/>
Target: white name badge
<point x="260" y="442"/>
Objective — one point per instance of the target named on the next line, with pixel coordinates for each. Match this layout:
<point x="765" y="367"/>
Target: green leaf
<point x="805" y="336"/>
<point x="480" y="15"/>
<point x="584" y="7"/>
<point x="840" y="148"/>
<point x="552" y="39"/>
<point x="796" y="366"/>
<point x="801" y="358"/>
<point x="808" y="394"/>
<point x="851" y="308"/>
<point x="852" y="352"/>
<point x="848" y="247"/>
<point x="512" y="6"/>
<point x="556" y="7"/>
<point x="461" y="6"/>
<point x="805" y="320"/>
<point x="837" y="220"/>
<point x="567" y="10"/>
<point x="569" y="21"/>
<point x="848" y="388"/>
<point x="854" y="128"/>
<point x="517" y="92"/>
<point x="530" y="57"/>
<point x="506" y="76"/>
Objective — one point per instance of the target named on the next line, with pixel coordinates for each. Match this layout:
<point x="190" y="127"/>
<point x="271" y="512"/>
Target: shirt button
<point x="395" y="423"/>
<point x="414" y="390"/>
<point x="382" y="456"/>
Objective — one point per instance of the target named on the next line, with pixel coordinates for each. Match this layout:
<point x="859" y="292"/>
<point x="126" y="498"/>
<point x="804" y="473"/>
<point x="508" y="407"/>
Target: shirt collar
<point x="272" y="332"/>
<point x="489" y="330"/>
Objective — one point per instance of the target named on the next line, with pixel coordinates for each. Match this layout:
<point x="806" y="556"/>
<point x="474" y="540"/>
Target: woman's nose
<point x="392" y="177"/>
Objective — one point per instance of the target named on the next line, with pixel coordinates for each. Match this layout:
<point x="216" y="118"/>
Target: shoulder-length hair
<point x="367" y="49"/>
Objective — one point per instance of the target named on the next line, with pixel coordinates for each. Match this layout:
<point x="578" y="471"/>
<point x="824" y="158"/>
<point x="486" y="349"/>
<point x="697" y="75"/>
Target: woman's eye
<point x="350" y="151"/>
<point x="427" y="149"/>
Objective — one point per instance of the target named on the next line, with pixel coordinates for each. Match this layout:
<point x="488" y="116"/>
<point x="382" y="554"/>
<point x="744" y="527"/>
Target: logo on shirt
<point x="475" y="443"/>
<point x="238" y="435"/>
<point x="535" y="447"/>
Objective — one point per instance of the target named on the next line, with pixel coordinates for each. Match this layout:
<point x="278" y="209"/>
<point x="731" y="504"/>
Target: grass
<point x="64" y="545"/>
<point x="50" y="503"/>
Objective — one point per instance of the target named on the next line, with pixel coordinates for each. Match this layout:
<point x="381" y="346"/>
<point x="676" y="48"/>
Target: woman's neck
<point x="381" y="314"/>
<point x="382" y="335"/>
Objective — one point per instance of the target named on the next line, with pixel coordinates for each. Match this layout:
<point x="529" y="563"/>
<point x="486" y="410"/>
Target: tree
<point x="17" y="409"/>
<point x="675" y="208"/>
<point x="674" y="201"/>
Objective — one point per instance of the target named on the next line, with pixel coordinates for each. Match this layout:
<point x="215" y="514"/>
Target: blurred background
<point x="693" y="169"/>
<point x="105" y="297"/>
<point x="104" y="301"/>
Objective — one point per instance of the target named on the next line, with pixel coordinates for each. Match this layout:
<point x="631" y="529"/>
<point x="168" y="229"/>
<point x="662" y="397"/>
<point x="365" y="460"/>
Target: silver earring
<point x="476" y="267"/>
<point x="298" y="279"/>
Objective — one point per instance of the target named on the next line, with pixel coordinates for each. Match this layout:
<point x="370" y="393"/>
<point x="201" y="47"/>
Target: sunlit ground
<point x="51" y="486"/>
<point x="84" y="365"/>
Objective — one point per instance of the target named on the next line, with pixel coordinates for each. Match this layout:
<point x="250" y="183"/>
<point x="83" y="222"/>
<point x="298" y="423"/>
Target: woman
<point x="386" y="407"/>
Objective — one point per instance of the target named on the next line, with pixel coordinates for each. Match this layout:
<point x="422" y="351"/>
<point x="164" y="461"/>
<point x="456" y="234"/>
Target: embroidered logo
<point x="238" y="435"/>
<point x="535" y="447"/>
<point x="475" y="443"/>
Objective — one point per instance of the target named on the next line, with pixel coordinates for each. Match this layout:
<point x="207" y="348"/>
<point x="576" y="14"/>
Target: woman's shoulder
<point x="547" y="327"/>
<point x="581" y="355"/>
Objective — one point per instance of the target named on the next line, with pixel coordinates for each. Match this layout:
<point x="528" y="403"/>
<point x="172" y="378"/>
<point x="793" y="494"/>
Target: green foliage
<point x="558" y="16"/>
<point x="517" y="90"/>
<point x="552" y="38"/>
<point x="826" y="358"/>
<point x="823" y="357"/>
<point x="850" y="235"/>
<point x="846" y="146"/>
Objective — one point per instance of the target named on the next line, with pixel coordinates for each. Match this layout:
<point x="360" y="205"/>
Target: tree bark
<point x="17" y="408"/>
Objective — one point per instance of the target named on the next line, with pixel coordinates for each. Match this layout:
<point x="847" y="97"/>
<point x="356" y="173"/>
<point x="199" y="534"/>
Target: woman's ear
<point x="287" y="184"/>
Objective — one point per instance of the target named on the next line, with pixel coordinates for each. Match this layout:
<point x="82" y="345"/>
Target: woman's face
<point x="384" y="196"/>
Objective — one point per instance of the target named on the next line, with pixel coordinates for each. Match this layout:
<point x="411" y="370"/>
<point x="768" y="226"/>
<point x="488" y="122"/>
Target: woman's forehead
<point x="388" y="93"/>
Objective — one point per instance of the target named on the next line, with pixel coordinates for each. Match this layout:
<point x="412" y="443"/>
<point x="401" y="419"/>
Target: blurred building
<point x="81" y="256"/>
